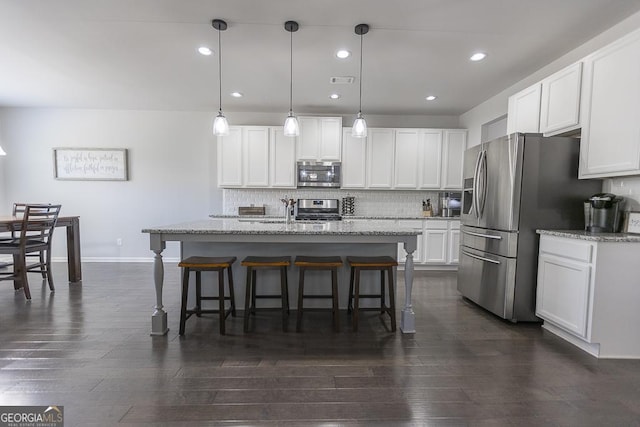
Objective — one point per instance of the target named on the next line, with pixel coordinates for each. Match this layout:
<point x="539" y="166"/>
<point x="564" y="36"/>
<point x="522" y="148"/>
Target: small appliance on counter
<point x="450" y="203"/>
<point x="317" y="210"/>
<point x="602" y="213"/>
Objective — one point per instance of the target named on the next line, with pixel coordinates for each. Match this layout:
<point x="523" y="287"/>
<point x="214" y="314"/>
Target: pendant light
<point x="359" y="128"/>
<point x="291" y="126"/>
<point x="220" y="125"/>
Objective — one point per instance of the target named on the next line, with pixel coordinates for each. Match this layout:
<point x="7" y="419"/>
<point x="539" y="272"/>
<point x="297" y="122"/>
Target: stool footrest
<point x="318" y="296"/>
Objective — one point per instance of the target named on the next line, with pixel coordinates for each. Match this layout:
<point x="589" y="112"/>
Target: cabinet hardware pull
<point x="487" y="236"/>
<point x="481" y="258"/>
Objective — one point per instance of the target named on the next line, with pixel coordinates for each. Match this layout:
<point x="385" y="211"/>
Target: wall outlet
<point x="119" y="241"/>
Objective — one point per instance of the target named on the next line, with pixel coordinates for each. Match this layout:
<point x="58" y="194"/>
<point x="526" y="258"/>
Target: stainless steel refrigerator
<point x="512" y="186"/>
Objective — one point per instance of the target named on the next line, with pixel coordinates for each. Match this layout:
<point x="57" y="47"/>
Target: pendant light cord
<point x="360" y="108"/>
<point x="291" y="71"/>
<point x="220" y="71"/>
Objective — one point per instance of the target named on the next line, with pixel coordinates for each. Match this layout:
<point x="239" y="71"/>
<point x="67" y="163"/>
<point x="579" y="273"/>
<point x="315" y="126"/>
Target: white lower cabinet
<point x="438" y="245"/>
<point x="587" y="294"/>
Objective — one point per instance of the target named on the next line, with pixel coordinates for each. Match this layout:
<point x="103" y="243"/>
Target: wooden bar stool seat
<point x="383" y="264"/>
<point x="330" y="263"/>
<point x="254" y="263"/>
<point x="198" y="264"/>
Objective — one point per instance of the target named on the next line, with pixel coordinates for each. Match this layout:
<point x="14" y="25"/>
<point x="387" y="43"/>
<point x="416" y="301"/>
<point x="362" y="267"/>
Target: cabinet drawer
<point x="567" y="248"/>
<point x="436" y="224"/>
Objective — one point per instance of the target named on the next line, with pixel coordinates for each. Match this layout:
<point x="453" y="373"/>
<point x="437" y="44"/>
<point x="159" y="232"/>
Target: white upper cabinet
<point x="380" y="158"/>
<point x="524" y="110"/>
<point x="455" y="142"/>
<point x="354" y="160"/>
<point x="256" y="156"/>
<point x="560" y="104"/>
<point x="610" y="144"/>
<point x="408" y="155"/>
<point x="282" y="161"/>
<point x="430" y="155"/>
<point x="230" y="158"/>
<point x="320" y="138"/>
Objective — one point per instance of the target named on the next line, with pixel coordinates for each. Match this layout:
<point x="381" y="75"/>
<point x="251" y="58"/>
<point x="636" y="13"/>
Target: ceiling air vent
<point x="344" y="80"/>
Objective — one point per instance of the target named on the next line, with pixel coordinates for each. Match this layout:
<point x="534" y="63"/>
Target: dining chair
<point x="18" y="211"/>
<point x="33" y="234"/>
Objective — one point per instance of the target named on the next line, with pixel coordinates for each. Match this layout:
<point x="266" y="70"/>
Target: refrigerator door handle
<point x="493" y="261"/>
<point x="474" y="201"/>
<point x="486" y="236"/>
<point x="482" y="173"/>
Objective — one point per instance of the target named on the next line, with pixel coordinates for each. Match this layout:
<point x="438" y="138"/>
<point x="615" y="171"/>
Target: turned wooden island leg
<point x="159" y="317"/>
<point x="408" y="318"/>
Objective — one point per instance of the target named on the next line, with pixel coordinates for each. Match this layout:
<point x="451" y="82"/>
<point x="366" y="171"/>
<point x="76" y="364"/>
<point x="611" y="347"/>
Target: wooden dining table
<point x="72" y="224"/>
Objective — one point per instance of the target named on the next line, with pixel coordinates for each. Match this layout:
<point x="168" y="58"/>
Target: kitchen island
<point x="237" y="237"/>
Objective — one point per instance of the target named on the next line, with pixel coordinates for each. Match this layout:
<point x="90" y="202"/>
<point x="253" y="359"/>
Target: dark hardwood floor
<point x="87" y="347"/>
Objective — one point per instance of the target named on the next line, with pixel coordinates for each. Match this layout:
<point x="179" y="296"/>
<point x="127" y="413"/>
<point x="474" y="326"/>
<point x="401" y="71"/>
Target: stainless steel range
<point x="318" y="209"/>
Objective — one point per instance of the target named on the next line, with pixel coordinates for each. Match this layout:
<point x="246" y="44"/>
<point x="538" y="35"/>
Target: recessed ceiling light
<point x="237" y="94"/>
<point x="342" y="54"/>
<point x="478" y="56"/>
<point x="431" y="98"/>
<point x="205" y="51"/>
<point x="334" y="96"/>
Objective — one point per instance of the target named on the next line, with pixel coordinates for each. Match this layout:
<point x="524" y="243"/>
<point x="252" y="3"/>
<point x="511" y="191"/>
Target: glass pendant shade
<point x="291" y="126"/>
<point x="359" y="128"/>
<point x="2" y="152"/>
<point x="220" y="125"/>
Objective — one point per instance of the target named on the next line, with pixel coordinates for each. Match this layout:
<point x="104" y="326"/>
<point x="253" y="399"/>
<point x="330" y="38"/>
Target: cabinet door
<point x="563" y="293"/>
<point x="380" y="158"/>
<point x="431" y="158"/>
<point x="330" y="139"/>
<point x="560" y="105"/>
<point x="230" y="158"/>
<point x="256" y="156"/>
<point x="354" y="159"/>
<point x="524" y="110"/>
<point x="455" y="142"/>
<point x="610" y="144"/>
<point x="435" y="246"/>
<point x="309" y="138"/>
<point x="407" y="158"/>
<point x="453" y="249"/>
<point x="282" y="164"/>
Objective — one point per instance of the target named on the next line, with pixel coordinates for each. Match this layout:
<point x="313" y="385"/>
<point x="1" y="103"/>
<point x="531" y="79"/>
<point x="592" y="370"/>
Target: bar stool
<point x="254" y="263"/>
<point x="381" y="263"/>
<point x="331" y="263"/>
<point x="200" y="264"/>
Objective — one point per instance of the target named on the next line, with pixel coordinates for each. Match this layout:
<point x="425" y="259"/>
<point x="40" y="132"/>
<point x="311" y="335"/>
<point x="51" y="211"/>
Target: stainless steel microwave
<point x="319" y="174"/>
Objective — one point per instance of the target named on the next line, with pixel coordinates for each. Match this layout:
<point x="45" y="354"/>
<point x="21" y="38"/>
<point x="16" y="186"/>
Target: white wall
<point x="169" y="173"/>
<point x="172" y="170"/>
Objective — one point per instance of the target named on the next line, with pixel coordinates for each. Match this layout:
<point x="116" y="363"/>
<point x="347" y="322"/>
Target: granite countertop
<point x="344" y="217"/>
<point x="593" y="237"/>
<point x="277" y="226"/>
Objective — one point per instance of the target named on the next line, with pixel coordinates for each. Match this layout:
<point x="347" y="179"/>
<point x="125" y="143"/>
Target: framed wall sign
<point x="632" y="224"/>
<point x="90" y="164"/>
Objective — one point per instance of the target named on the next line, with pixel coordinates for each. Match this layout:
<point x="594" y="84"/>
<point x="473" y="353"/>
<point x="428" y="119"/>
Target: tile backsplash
<point x="627" y="187"/>
<point x="367" y="203"/>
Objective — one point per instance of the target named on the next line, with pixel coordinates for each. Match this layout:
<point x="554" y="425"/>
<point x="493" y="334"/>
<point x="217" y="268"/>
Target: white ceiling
<point x="141" y="54"/>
